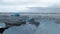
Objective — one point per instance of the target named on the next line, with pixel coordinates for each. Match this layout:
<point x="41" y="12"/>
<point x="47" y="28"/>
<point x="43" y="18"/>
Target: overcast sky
<point x="18" y="5"/>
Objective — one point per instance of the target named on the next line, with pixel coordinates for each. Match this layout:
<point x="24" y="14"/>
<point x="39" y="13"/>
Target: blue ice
<point x="48" y="27"/>
<point x="23" y="29"/>
<point x="2" y="25"/>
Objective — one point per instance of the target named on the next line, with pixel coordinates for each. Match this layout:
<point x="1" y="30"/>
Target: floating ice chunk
<point x="2" y="25"/>
<point x="48" y="27"/>
<point x="23" y="29"/>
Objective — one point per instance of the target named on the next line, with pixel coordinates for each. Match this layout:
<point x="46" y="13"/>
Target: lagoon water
<point x="46" y="27"/>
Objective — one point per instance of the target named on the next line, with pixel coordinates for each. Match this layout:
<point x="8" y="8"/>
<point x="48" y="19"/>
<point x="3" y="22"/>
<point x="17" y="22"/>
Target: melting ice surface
<point x="48" y="27"/>
<point x="23" y="29"/>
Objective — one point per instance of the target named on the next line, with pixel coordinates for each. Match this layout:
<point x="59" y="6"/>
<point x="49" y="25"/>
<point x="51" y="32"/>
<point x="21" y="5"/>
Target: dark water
<point x="50" y="15"/>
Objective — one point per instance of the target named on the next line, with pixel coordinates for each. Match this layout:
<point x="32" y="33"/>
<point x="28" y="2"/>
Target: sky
<point x="22" y="5"/>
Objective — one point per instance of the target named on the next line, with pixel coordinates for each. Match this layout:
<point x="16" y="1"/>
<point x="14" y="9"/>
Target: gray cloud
<point x="44" y="9"/>
<point x="36" y="5"/>
<point x="17" y="2"/>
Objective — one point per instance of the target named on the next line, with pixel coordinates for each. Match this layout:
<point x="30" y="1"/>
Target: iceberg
<point x="48" y="27"/>
<point x="23" y="29"/>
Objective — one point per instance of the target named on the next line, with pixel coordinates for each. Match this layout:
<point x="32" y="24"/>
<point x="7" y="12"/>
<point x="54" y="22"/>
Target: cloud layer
<point x="17" y="5"/>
